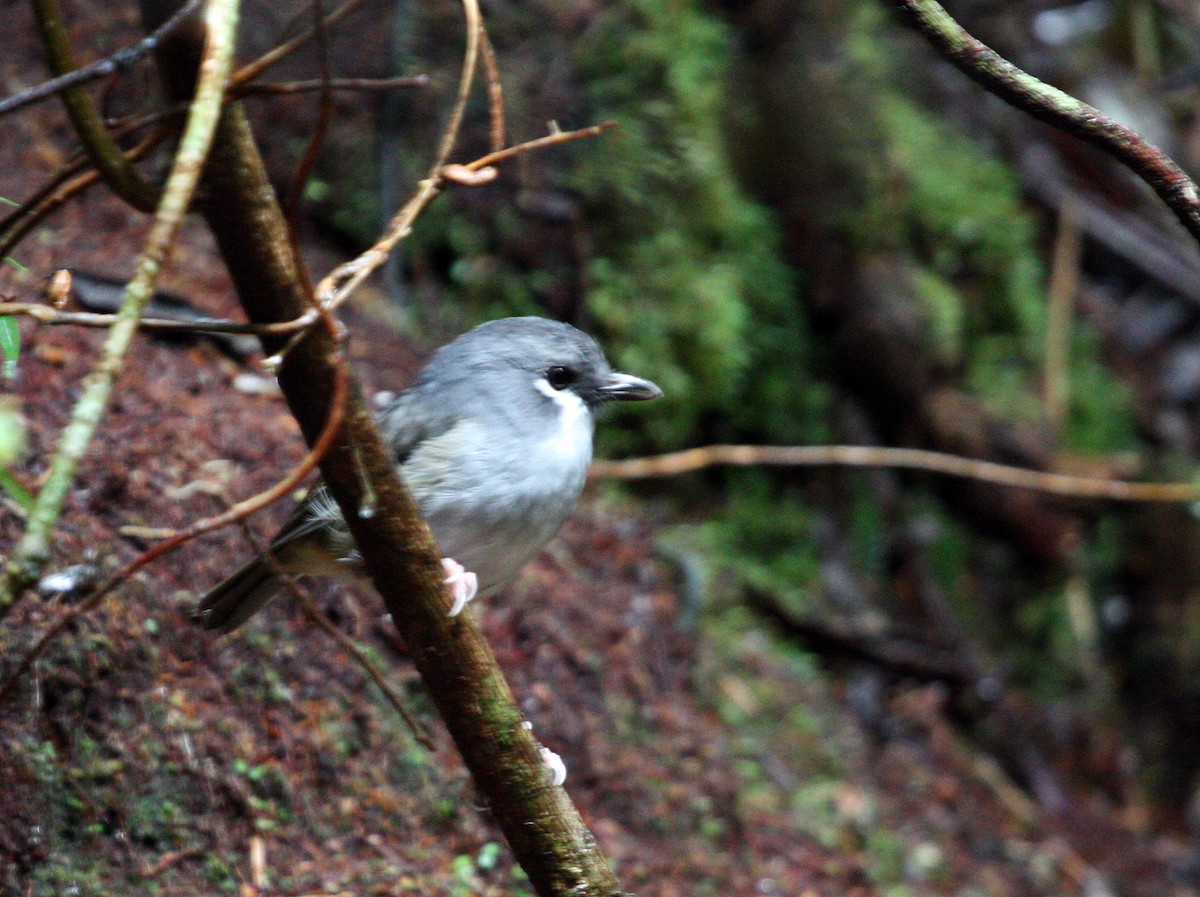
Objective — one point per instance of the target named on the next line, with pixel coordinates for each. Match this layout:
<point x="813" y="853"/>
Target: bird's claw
<point x="463" y="584"/>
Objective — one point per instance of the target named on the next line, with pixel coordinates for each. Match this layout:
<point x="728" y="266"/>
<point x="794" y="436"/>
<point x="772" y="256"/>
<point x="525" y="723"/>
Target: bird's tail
<point x="239" y="597"/>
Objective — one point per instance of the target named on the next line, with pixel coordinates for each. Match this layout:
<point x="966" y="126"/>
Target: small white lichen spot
<point x="554" y="763"/>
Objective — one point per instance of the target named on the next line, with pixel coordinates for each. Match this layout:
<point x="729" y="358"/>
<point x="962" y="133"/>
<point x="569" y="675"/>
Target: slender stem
<point x="101" y="68"/>
<point x="268" y="59"/>
<point x="1064" y="286"/>
<point x="703" y="457"/>
<point x="545" y="830"/>
<point x="31" y="553"/>
<point x="1027" y="93"/>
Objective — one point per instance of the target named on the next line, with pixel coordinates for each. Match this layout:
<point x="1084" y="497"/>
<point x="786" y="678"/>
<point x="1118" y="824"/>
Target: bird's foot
<point x="463" y="584"/>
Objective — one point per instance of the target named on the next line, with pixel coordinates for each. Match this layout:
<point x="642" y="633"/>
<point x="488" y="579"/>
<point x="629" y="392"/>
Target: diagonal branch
<point x="101" y="68"/>
<point x="32" y="551"/>
<point x="542" y="826"/>
<point x="1062" y="484"/>
<point x="237" y="512"/>
<point x="1049" y="104"/>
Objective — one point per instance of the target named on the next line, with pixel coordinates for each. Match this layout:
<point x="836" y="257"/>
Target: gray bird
<point x="493" y="439"/>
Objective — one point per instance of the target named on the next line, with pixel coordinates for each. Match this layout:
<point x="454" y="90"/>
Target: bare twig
<point x="292" y="202"/>
<point x="237" y="512"/>
<point x="495" y="87"/>
<point x="1066" y="485"/>
<point x="101" y="68"/>
<point x="337" y="286"/>
<point x="554" y="138"/>
<point x="31" y="553"/>
<point x="310" y="610"/>
<point x="45" y="314"/>
<point x="169" y="859"/>
<point x="281" y="88"/>
<point x="1027" y="93"/>
<point x="17" y="225"/>
<point x="1064" y="285"/>
<point x="305" y="599"/>
<point x="268" y="59"/>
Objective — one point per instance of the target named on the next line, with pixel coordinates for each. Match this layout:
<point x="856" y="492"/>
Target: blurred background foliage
<point x="652" y="238"/>
<point x="702" y="241"/>
<point x="808" y="230"/>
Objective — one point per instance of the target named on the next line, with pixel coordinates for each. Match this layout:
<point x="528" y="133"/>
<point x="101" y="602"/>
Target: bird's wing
<point x="414" y="418"/>
<point x="303" y="520"/>
<point x="407" y="422"/>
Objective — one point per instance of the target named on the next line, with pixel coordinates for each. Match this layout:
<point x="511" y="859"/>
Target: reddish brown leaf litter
<point x="146" y="757"/>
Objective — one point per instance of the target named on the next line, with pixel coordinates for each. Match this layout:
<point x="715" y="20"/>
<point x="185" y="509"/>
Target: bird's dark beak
<point x="627" y="388"/>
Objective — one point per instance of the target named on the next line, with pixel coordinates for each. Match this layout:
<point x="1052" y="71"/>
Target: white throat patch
<point x="573" y="438"/>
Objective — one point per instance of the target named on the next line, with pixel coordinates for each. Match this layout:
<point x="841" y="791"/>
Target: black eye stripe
<point x="560" y="377"/>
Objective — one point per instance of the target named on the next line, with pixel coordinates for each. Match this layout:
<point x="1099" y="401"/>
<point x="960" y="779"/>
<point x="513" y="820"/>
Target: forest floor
<point x="709" y="755"/>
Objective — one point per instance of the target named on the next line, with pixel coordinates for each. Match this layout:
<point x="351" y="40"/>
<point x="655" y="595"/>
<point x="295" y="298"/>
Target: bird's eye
<point x="560" y="377"/>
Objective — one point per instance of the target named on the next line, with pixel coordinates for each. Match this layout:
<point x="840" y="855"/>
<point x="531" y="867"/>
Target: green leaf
<point x="16" y="491"/>
<point x="10" y="346"/>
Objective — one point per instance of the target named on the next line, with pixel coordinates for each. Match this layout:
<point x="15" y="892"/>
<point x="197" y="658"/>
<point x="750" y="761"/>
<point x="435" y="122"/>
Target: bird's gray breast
<point x="495" y="494"/>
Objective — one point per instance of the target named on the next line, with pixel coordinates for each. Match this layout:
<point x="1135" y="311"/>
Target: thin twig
<point x="310" y="610"/>
<point x="32" y="552"/>
<point x="268" y="59"/>
<point x="337" y="286"/>
<point x="1064" y="286"/>
<point x="292" y="202"/>
<point x="309" y="605"/>
<point x="1049" y="104"/>
<point x="498" y="133"/>
<point x="280" y="88"/>
<point x="101" y="68"/>
<point x="1066" y="485"/>
<point x="72" y="166"/>
<point x="44" y="314"/>
<point x="35" y="210"/>
<point x="554" y="138"/>
<point x="237" y="512"/>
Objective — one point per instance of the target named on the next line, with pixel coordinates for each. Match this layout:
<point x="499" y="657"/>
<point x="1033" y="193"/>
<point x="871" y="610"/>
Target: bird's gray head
<point x="535" y="362"/>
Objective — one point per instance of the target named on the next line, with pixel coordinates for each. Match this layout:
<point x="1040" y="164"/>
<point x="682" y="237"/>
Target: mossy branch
<point x="542" y="826"/>
<point x="31" y="553"/>
<point x="1051" y="105"/>
<point x="89" y="126"/>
